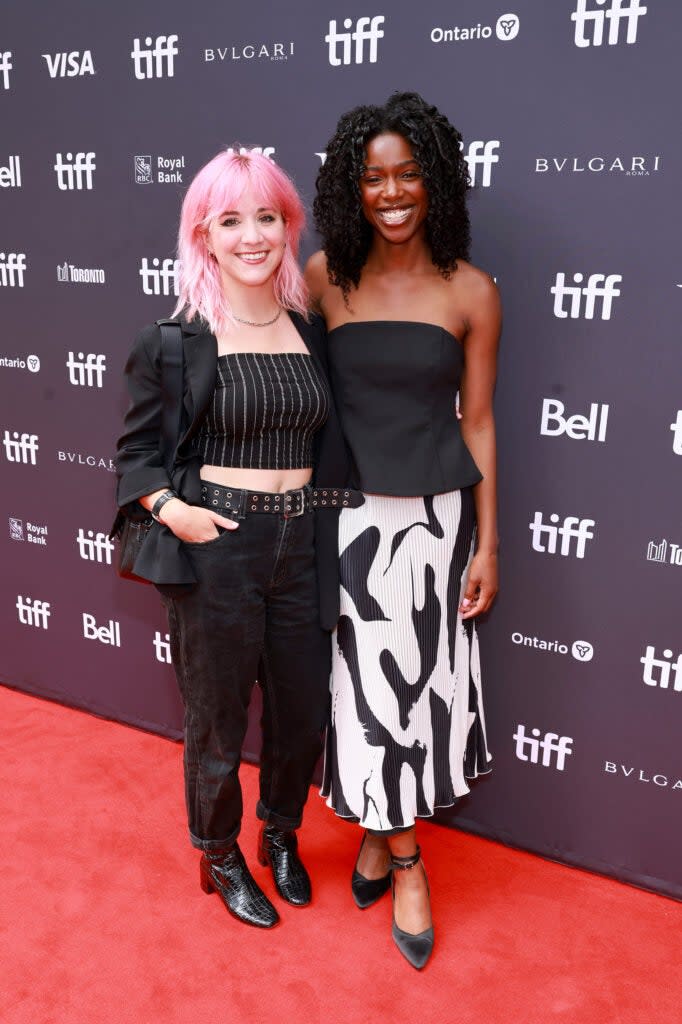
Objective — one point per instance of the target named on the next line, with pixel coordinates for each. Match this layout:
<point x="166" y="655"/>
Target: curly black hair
<point x="436" y="145"/>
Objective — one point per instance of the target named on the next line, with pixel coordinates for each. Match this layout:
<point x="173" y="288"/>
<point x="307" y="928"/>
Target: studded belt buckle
<point x="298" y="492"/>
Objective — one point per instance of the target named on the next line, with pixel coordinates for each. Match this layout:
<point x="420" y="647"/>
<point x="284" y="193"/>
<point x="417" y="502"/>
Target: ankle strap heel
<point x="406" y="863"/>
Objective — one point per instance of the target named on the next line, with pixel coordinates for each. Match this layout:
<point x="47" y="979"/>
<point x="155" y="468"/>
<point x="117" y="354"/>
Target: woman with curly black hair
<point x="411" y="324"/>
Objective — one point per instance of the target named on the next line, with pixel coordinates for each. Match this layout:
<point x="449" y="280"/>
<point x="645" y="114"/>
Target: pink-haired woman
<point x="231" y="548"/>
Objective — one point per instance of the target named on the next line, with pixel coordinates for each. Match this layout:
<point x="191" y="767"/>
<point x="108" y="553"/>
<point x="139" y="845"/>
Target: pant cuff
<point x="215" y="845"/>
<point x="272" y="818"/>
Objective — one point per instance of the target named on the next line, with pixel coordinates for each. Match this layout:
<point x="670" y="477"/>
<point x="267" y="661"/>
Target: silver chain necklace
<point x="252" y="323"/>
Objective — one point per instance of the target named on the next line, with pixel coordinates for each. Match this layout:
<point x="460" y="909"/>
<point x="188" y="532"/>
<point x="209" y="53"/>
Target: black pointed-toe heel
<point x="366" y="891"/>
<point x="415" y="948"/>
<point x="227" y="874"/>
<point x="279" y="849"/>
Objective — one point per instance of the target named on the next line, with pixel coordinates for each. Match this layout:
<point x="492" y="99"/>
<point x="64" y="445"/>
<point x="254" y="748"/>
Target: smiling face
<point x="394" y="199"/>
<point x="248" y="242"/>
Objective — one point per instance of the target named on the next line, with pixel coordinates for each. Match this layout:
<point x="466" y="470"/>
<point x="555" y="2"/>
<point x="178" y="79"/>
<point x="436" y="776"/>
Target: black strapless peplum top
<point x="395" y="384"/>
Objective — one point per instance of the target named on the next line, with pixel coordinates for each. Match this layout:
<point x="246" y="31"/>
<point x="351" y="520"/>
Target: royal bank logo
<point x="94" y="547"/>
<point x="32" y="612"/>
<point x="12" y="267"/>
<point x="16" y="529"/>
<point x="543" y="750"/>
<point x="676" y="428"/>
<point x="71" y="64"/>
<point x="664" y="552"/>
<point x="32" y="533"/>
<point x="506" y="27"/>
<point x="86" y="370"/>
<point x="480" y="156"/>
<point x="598" y="294"/>
<point x="30" y="363"/>
<point x="5" y="67"/>
<point x="66" y="272"/>
<point x="164" y="170"/>
<point x="553" y="422"/>
<point x="109" y="635"/>
<point x="581" y="650"/>
<point x="661" y="672"/>
<point x="355" y="44"/>
<point x="641" y="775"/>
<point x="21" y="448"/>
<point x="10" y="175"/>
<point x="75" y="172"/>
<point x="569" y="538"/>
<point x="162" y="648"/>
<point x="592" y="17"/>
<point x="156" y="58"/>
<point x="250" y="52"/>
<point x="159" y="277"/>
<point x="630" y="166"/>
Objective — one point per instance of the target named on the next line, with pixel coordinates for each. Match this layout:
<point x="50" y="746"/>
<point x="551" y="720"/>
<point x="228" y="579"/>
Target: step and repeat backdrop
<point x="569" y="112"/>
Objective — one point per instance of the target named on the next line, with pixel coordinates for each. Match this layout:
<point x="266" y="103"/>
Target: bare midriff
<point x="272" y="481"/>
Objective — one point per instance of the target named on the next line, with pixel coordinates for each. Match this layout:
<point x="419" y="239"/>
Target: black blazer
<point x="140" y="468"/>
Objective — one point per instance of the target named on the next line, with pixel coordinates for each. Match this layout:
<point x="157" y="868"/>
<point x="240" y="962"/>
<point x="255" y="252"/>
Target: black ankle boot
<point x="279" y="849"/>
<point x="227" y="874"/>
<point x="366" y="891"/>
<point x="415" y="948"/>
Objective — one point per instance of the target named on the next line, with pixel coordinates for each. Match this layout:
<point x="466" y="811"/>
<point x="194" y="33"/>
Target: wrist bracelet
<point x="160" y="502"/>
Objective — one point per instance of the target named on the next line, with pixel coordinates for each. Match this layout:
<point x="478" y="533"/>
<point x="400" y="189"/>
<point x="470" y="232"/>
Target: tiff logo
<point x="5" y="67"/>
<point x="665" y="666"/>
<point x="593" y="290"/>
<point x="21" y="448"/>
<point x="619" y="10"/>
<point x="157" y="59"/>
<point x="482" y="155"/>
<point x="571" y="527"/>
<point x="32" y="612"/>
<point x="676" y="428"/>
<point x="95" y="547"/>
<point x="366" y="30"/>
<point x="528" y="747"/>
<point x="162" y="647"/>
<point x="12" y="267"/>
<point x="69" y="65"/>
<point x="75" y="172"/>
<point x="86" y="371"/>
<point x="161" y="278"/>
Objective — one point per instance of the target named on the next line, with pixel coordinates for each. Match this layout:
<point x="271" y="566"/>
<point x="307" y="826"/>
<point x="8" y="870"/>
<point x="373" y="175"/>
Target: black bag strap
<point x="171" y="389"/>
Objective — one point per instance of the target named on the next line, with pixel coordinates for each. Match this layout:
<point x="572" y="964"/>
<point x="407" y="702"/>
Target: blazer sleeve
<point x="139" y="462"/>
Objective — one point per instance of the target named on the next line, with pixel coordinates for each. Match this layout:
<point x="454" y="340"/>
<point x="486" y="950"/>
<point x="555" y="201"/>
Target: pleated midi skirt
<point x="407" y="726"/>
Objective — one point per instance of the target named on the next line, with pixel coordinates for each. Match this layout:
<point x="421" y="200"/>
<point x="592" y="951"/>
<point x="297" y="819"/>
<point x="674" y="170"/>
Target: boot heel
<point x="205" y="878"/>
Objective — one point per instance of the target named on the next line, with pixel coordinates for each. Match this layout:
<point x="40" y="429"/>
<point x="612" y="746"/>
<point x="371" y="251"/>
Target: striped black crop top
<point x="265" y="410"/>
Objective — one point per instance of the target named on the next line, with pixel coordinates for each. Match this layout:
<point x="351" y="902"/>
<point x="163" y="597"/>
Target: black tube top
<point x="395" y="383"/>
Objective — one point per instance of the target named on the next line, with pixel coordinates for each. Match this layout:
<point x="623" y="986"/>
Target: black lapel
<point x="201" y="359"/>
<point x="312" y="338"/>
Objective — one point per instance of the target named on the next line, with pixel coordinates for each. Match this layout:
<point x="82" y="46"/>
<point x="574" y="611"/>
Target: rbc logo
<point x="86" y="371"/>
<point x="75" y="172"/>
<point x="665" y="666"/>
<point x="156" y="61"/>
<point x="69" y="65"/>
<point x="12" y="267"/>
<point x="593" y="290"/>
<point x="366" y="30"/>
<point x="551" y="743"/>
<point x="482" y="154"/>
<point x="616" y="13"/>
<point x="161" y="278"/>
<point x="21" y="448"/>
<point x="572" y="527"/>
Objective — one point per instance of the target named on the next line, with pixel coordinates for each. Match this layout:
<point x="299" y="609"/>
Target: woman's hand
<point x="482" y="584"/>
<point x="193" y="524"/>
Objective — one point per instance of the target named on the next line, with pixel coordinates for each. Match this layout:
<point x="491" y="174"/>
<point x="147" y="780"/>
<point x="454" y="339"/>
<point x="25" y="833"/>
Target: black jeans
<point x="253" y="614"/>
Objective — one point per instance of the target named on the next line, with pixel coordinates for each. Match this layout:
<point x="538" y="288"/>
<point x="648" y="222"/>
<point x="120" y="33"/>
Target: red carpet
<point x="103" y="920"/>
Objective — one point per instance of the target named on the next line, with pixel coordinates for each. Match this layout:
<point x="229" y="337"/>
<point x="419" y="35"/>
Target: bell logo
<point x="69" y="65"/>
<point x="659" y="671"/>
<point x="21" y="448"/>
<point x="528" y="747"/>
<point x="580" y="428"/>
<point x="599" y="286"/>
<point x="10" y="176"/>
<point x="162" y="647"/>
<point x="156" y="59"/>
<point x="572" y="527"/>
<point x="109" y="634"/>
<point x="482" y="155"/>
<point x="32" y="612"/>
<point x="366" y="30"/>
<point x="161" y="278"/>
<point x="587" y="17"/>
<point x="75" y="172"/>
<point x="5" y="67"/>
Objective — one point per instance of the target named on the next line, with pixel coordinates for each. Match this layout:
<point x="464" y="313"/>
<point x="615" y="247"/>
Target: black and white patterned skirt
<point x="407" y="727"/>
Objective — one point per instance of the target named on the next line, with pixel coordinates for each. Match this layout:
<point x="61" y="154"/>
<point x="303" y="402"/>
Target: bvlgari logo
<point x="669" y="780"/>
<point x="271" y="50"/>
<point x="631" y="166"/>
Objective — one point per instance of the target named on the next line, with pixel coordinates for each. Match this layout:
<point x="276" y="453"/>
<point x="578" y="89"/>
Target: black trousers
<point x="253" y="614"/>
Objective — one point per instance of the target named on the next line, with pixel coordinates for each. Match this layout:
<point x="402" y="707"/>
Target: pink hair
<point x="217" y="187"/>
